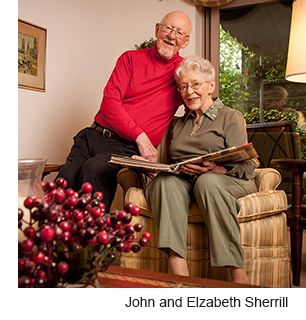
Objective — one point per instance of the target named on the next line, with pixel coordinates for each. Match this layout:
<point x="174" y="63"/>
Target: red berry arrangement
<point x="69" y="238"/>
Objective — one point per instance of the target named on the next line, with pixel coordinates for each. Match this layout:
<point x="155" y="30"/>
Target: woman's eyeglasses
<point x="194" y="86"/>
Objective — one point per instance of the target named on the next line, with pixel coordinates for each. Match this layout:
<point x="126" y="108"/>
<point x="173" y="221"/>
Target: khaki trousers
<point x="170" y="197"/>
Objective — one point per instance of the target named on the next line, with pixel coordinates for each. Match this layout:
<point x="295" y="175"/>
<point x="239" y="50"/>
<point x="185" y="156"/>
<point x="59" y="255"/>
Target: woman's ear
<point x="212" y="86"/>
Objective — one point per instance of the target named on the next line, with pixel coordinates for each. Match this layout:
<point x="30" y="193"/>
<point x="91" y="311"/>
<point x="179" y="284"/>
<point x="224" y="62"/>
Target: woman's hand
<point x="206" y="166"/>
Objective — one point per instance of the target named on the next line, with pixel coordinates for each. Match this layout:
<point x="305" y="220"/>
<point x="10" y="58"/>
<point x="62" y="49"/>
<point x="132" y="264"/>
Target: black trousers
<point x="88" y="162"/>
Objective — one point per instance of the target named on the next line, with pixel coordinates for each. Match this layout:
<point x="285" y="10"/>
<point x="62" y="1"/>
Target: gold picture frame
<point x="31" y="56"/>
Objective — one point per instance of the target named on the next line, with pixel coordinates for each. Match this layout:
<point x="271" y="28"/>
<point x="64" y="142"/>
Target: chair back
<point x="275" y="140"/>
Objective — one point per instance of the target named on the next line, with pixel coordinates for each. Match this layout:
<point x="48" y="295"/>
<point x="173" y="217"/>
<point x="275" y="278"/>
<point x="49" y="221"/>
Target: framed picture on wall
<point x="31" y="56"/>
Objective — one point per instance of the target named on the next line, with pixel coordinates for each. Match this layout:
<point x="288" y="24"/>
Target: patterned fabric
<point x="264" y="236"/>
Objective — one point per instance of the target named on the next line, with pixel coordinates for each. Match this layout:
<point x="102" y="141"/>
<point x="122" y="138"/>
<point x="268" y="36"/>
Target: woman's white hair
<point x="196" y="63"/>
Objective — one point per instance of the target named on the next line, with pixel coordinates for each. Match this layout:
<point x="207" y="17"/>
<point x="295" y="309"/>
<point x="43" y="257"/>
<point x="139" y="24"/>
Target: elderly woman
<point x="207" y="126"/>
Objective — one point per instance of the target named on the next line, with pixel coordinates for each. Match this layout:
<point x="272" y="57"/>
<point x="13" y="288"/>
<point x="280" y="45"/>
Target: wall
<point x="84" y="39"/>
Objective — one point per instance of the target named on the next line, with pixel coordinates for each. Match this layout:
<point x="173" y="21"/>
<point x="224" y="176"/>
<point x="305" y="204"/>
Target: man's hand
<point x="207" y="166"/>
<point x="146" y="148"/>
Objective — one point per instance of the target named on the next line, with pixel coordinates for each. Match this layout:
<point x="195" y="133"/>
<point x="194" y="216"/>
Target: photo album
<point x="232" y="154"/>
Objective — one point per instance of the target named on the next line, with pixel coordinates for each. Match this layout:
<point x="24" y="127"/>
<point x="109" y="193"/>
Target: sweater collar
<point x="211" y="112"/>
<point x="156" y="56"/>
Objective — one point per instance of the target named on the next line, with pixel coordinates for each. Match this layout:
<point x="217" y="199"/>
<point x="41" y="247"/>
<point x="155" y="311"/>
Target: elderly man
<point x="138" y="104"/>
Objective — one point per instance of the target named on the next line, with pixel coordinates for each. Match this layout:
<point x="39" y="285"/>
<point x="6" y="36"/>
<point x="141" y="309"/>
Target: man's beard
<point x="165" y="53"/>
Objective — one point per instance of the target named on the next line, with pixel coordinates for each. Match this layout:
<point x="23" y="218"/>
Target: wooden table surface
<point x="118" y="277"/>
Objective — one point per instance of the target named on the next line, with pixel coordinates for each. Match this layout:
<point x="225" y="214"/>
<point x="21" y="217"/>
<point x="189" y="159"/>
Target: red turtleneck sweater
<point x="140" y="95"/>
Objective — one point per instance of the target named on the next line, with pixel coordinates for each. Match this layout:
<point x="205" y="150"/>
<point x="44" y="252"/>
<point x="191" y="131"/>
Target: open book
<point x="232" y="154"/>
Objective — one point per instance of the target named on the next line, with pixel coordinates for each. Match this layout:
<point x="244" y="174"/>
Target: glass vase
<point x="29" y="184"/>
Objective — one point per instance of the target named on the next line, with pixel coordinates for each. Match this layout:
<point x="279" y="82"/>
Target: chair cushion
<point x="253" y="206"/>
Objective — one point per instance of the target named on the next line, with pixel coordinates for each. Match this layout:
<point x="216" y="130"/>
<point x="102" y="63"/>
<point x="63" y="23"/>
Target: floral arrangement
<point x="69" y="238"/>
<point x="145" y="44"/>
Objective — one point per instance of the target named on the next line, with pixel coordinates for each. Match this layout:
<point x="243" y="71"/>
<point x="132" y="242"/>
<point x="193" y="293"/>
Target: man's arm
<point x="114" y="114"/>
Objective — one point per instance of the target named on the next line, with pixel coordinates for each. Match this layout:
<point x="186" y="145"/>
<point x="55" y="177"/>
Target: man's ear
<point x="156" y="29"/>
<point x="185" y="44"/>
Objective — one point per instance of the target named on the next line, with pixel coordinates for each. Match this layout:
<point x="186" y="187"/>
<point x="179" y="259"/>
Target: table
<point x="296" y="216"/>
<point x="119" y="277"/>
<point x="51" y="167"/>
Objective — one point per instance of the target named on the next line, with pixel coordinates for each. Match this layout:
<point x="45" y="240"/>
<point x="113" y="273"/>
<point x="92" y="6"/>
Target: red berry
<point x="59" y="196"/>
<point x="78" y="215"/>
<point x="58" y="232"/>
<point x="121" y="214"/>
<point x="100" y="222"/>
<point x="24" y="282"/>
<point x="87" y="187"/>
<point x="66" y="236"/>
<point x="41" y="274"/>
<point x="27" y="245"/>
<point x="96" y="212"/>
<point x="50" y="185"/>
<point x="38" y="202"/>
<point x="52" y="193"/>
<point x="43" y="185"/>
<point x="47" y="234"/>
<point x="29" y="266"/>
<point x="65" y="225"/>
<point x="135" y="248"/>
<point x="71" y="202"/>
<point x="90" y="233"/>
<point x="92" y="241"/>
<point x="62" y="267"/>
<point x="129" y="229"/>
<point x="101" y="205"/>
<point x="20" y="214"/>
<point x="108" y="221"/>
<point x="98" y="195"/>
<point x="120" y="246"/>
<point x="103" y="238"/>
<point x="143" y="242"/>
<point x="135" y="211"/>
<point x="146" y="235"/>
<point x="39" y="257"/>
<point x="29" y="202"/>
<point x="29" y="232"/>
<point x="61" y="182"/>
<point x="69" y="192"/>
<point x="138" y="227"/>
<point x="21" y="262"/>
<point x="48" y="198"/>
<point x="128" y="206"/>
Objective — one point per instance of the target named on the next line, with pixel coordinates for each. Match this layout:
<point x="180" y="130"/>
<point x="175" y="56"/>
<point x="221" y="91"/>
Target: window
<point x="251" y="54"/>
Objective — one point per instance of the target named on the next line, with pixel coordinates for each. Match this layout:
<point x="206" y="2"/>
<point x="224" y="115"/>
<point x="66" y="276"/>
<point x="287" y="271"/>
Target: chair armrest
<point x="267" y="179"/>
<point x="262" y="204"/>
<point x="128" y="178"/>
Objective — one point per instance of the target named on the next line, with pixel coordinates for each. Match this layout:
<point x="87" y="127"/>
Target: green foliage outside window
<point x="239" y="66"/>
<point x="233" y="81"/>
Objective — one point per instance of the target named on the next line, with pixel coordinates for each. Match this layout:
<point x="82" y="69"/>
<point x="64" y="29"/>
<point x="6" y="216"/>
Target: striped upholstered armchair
<point x="263" y="225"/>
